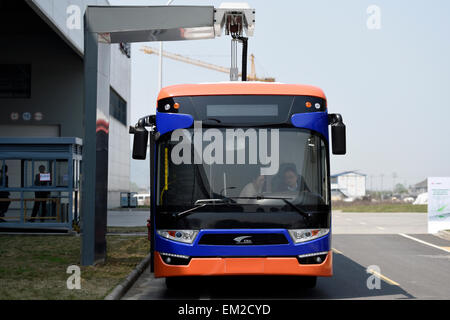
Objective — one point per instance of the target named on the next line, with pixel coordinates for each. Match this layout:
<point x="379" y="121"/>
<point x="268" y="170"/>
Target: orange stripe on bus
<point x="240" y="88"/>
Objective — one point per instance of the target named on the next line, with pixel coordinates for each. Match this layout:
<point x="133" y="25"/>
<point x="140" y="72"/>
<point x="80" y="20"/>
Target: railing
<point x="56" y="200"/>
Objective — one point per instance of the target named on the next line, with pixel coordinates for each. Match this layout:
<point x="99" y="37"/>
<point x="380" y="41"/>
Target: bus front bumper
<point x="244" y="266"/>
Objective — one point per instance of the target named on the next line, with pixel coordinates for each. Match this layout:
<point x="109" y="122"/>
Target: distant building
<point x="337" y="195"/>
<point x="419" y="188"/>
<point x="352" y="184"/>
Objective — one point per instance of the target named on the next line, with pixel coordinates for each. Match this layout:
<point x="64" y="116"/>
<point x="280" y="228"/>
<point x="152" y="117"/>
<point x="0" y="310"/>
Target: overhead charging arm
<point x="244" y="41"/>
<point x="235" y="21"/>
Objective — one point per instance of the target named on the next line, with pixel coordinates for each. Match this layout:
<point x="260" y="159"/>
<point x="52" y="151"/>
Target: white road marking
<point x="348" y="219"/>
<point x="380" y="228"/>
<point x="424" y="242"/>
<point x="363" y="223"/>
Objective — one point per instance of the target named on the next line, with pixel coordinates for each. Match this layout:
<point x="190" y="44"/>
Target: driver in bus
<point x="293" y="182"/>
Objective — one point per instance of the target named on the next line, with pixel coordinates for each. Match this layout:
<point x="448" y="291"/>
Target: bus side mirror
<point x="338" y="143"/>
<point x="139" y="142"/>
<point x="338" y="138"/>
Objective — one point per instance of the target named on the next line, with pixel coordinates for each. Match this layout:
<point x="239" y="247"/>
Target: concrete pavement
<point x="379" y="222"/>
<point x="419" y="269"/>
<point x="128" y="218"/>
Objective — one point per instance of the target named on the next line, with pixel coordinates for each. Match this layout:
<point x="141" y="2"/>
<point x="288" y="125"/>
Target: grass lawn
<point x="34" y="267"/>
<point x="381" y="207"/>
<point x="127" y="229"/>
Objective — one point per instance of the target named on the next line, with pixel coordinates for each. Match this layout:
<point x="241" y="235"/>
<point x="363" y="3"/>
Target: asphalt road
<point x="410" y="264"/>
<point x="128" y="218"/>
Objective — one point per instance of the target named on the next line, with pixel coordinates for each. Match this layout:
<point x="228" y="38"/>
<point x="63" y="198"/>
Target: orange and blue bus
<point x="240" y="180"/>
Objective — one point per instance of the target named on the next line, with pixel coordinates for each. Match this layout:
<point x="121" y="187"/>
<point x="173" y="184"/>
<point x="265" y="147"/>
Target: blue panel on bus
<point x="166" y="122"/>
<point x="196" y="250"/>
<point x="317" y="121"/>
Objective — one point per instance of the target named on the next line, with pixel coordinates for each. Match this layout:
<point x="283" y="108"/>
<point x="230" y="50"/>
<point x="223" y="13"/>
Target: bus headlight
<point x="186" y="236"/>
<point x="302" y="235"/>
<point x="175" y="259"/>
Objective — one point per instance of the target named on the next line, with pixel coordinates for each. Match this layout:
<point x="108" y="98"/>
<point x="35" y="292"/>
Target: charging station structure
<point x="104" y="25"/>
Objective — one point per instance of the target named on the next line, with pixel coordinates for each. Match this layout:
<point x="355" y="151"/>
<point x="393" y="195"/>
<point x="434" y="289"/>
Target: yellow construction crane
<point x="251" y="77"/>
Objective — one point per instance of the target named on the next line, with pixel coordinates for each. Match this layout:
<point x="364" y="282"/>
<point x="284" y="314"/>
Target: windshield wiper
<point x="209" y="201"/>
<point x="298" y="210"/>
<point x="200" y="203"/>
<point x="187" y="212"/>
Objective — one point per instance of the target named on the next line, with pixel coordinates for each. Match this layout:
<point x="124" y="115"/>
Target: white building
<point x="351" y="183"/>
<point x="42" y="79"/>
<point x="419" y="188"/>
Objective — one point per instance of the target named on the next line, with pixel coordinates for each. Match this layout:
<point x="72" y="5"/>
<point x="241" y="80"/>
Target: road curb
<point x="119" y="291"/>
<point x="444" y="234"/>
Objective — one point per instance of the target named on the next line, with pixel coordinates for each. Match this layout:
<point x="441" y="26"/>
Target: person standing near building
<point x="41" y="195"/>
<point x="4" y="205"/>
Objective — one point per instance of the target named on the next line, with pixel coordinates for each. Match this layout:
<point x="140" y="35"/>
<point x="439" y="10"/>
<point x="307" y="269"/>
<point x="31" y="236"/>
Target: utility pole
<point x="394" y="176"/>
<point x="382" y="175"/>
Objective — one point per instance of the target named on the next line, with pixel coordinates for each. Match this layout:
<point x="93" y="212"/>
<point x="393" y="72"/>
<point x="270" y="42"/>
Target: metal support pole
<point x="95" y="150"/>
<point x="234" y="71"/>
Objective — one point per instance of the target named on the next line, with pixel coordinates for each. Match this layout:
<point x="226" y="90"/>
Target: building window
<point x="15" y="81"/>
<point x="117" y="106"/>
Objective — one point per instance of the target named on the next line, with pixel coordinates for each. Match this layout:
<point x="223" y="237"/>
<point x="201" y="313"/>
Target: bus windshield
<point x="263" y="173"/>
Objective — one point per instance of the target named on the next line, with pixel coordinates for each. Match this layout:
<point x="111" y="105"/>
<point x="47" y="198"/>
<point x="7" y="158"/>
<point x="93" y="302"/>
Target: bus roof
<point x="240" y="88"/>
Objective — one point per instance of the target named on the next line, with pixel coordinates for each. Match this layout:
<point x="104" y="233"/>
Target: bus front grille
<point x="239" y="239"/>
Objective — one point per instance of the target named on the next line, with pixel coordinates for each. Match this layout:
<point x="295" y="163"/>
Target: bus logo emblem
<point x="243" y="240"/>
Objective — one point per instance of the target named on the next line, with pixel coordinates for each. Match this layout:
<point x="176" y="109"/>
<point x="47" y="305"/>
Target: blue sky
<point x="392" y="85"/>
